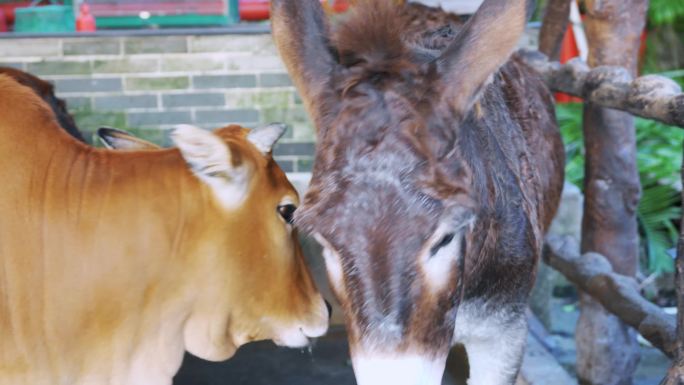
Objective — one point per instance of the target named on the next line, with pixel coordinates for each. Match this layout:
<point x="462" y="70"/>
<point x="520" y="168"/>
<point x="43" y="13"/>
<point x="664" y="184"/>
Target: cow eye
<point x="443" y="242"/>
<point x="287" y="212"/>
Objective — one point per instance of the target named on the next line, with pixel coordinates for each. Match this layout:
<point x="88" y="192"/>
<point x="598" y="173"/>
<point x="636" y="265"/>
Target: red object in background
<point x="568" y="51"/>
<point x="255" y="10"/>
<point x="642" y="48"/>
<point x="340" y="6"/>
<point x="85" y="22"/>
<point x="3" y="23"/>
<point x="8" y="10"/>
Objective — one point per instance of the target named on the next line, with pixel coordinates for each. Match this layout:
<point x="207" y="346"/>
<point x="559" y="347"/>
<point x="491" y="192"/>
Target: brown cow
<point x="112" y="264"/>
<point x="438" y="169"/>
<point x="115" y="139"/>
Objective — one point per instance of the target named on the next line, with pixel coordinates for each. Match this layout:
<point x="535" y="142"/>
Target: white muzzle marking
<point x="404" y="369"/>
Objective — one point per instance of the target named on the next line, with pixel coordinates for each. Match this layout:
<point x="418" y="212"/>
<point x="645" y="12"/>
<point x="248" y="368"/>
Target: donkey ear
<point x="263" y="138"/>
<point x="210" y="159"/>
<point x="115" y="139"/>
<point x="484" y="44"/>
<point x="302" y="36"/>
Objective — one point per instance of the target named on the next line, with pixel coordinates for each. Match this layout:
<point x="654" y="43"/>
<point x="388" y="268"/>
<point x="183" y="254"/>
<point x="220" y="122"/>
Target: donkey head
<point x="391" y="198"/>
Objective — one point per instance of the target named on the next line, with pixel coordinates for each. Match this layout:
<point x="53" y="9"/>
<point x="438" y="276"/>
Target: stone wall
<point x="150" y="83"/>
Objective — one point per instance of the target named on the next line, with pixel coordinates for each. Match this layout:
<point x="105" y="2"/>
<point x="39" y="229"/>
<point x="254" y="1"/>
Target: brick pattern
<point x="149" y="84"/>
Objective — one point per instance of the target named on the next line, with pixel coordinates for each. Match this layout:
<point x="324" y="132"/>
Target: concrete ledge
<point x="236" y="29"/>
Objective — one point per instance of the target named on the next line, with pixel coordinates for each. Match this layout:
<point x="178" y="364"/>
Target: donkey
<point x="438" y="169"/>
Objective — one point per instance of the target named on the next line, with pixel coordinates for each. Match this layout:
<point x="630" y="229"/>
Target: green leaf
<point x="663" y="12"/>
<point x="659" y="158"/>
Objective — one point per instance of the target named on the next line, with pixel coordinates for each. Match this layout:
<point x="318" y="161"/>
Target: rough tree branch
<point x="556" y="18"/>
<point x="619" y="294"/>
<point x="651" y="96"/>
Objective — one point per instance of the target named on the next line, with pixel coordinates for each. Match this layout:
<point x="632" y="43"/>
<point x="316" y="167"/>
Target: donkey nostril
<point x="329" y="307"/>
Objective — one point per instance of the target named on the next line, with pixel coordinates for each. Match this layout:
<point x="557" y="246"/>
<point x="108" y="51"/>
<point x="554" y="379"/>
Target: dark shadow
<point x="263" y="363"/>
<point x="457" y="369"/>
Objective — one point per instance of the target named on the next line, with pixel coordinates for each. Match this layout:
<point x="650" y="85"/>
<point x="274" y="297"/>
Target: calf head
<point x="391" y="198"/>
<point x="252" y="262"/>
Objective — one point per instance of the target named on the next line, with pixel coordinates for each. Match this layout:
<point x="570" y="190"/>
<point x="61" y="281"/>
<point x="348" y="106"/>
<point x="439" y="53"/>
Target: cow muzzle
<point x="397" y="369"/>
<point x="299" y="335"/>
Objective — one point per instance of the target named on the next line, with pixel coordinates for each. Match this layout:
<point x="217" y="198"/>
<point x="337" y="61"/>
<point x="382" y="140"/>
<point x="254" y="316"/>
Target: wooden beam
<point x="607" y="349"/>
<point x="651" y="96"/>
<point x="554" y="26"/>
<point x="618" y="293"/>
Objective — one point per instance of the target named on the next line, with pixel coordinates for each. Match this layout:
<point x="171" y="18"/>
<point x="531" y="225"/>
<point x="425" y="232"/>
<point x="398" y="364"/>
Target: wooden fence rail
<point x="651" y="96"/>
<point x="553" y="28"/>
<point x="618" y="293"/>
<point x="607" y="352"/>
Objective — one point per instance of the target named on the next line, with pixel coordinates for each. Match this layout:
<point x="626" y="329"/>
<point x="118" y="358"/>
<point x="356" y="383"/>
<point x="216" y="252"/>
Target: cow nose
<point x="329" y="307"/>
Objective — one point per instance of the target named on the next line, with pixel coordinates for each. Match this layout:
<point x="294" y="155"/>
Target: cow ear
<point x="483" y="45"/>
<point x="264" y="138"/>
<point x="211" y="160"/>
<point x="115" y="139"/>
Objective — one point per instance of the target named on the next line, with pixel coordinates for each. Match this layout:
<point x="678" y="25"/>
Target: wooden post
<point x="554" y="26"/>
<point x="593" y="273"/>
<point x="675" y="376"/>
<point x="606" y="347"/>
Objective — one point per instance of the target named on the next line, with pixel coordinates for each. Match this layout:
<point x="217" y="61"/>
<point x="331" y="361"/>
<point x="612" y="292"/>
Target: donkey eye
<point x="287" y="212"/>
<point x="445" y="241"/>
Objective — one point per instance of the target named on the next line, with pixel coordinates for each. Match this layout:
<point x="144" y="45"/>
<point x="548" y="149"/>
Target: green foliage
<point x="538" y="14"/>
<point x="661" y="12"/>
<point x="659" y="208"/>
<point x="569" y="118"/>
<point x="662" y="57"/>
<point x="676" y="75"/>
<point x="659" y="147"/>
<point x="665" y="42"/>
<point x="659" y="157"/>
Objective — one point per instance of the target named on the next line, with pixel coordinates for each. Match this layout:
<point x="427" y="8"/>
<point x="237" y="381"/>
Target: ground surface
<point x="653" y="364"/>
<point x="328" y="361"/>
<point x="265" y="364"/>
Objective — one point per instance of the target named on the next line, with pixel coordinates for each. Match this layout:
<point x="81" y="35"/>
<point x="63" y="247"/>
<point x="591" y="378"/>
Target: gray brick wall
<point x="149" y="84"/>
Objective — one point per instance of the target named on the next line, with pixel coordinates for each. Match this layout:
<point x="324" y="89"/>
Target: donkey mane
<point x="380" y="35"/>
<point x="371" y="35"/>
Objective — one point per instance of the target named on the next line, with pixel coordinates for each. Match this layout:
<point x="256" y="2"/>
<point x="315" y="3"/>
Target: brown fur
<point x="424" y="121"/>
<point x="371" y="35"/>
<point x="114" y="263"/>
